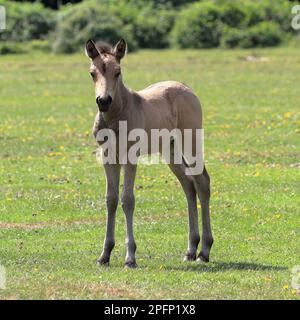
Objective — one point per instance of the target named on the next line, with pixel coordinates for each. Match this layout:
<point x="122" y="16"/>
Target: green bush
<point x="26" y="21"/>
<point x="232" y="37"/>
<point x="160" y="4"/>
<point x="278" y="12"/>
<point x="233" y="14"/>
<point x="263" y="34"/>
<point x="198" y="26"/>
<point x="247" y="13"/>
<point x="149" y="24"/>
<point x="86" y="20"/>
<point x="11" y="48"/>
<point x="152" y="28"/>
<point x="233" y="23"/>
<point x="39" y="45"/>
<point x="237" y="14"/>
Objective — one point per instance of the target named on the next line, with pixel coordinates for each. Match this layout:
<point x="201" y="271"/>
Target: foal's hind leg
<point x="202" y="185"/>
<point x="190" y="192"/>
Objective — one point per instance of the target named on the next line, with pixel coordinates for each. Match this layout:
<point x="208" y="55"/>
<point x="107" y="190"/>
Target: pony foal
<point x="164" y="105"/>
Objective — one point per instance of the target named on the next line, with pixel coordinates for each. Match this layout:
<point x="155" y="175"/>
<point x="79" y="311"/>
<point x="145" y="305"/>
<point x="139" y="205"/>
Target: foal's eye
<point x="118" y="74"/>
<point x="92" y="75"/>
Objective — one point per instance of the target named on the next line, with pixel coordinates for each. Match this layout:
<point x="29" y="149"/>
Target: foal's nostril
<point x="98" y="101"/>
<point x="104" y="103"/>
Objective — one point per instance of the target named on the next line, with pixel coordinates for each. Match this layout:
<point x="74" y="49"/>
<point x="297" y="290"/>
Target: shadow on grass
<point x="225" y="266"/>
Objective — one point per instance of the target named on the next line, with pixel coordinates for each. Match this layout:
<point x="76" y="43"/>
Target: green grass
<point x="52" y="208"/>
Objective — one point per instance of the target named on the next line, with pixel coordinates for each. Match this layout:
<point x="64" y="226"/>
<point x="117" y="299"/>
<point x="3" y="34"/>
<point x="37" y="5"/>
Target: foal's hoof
<point x="202" y="257"/>
<point x="130" y="264"/>
<point x="189" y="257"/>
<point x="103" y="263"/>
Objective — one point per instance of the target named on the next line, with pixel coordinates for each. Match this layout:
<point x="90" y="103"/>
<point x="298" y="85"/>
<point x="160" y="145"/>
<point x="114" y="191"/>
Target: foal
<point x="165" y="105"/>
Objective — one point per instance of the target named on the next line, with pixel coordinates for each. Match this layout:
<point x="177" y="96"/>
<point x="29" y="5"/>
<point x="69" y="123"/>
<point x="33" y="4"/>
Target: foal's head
<point x="105" y="70"/>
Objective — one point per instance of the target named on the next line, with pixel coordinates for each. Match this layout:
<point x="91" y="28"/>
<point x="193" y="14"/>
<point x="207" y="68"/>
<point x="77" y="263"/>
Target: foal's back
<point x="171" y="104"/>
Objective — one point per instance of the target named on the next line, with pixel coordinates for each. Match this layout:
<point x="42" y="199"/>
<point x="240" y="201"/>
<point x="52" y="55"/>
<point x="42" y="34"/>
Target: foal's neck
<point x="118" y="107"/>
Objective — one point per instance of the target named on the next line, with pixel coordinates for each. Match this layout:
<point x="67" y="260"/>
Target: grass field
<point x="52" y="206"/>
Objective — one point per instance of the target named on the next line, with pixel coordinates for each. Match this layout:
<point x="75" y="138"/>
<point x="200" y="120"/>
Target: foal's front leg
<point x="128" y="208"/>
<point x="112" y="172"/>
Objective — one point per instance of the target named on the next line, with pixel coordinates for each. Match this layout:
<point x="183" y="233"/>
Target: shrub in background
<point x="150" y="24"/>
<point x="160" y="4"/>
<point x="245" y="23"/>
<point x="232" y="37"/>
<point x="26" y="21"/>
<point x="152" y="28"/>
<point x="11" y="48"/>
<point x="198" y="26"/>
<point x="86" y="20"/>
<point x="39" y="45"/>
<point x="265" y="23"/>
<point x="241" y="14"/>
<point x="278" y="12"/>
<point x="233" y="14"/>
<point x="263" y="34"/>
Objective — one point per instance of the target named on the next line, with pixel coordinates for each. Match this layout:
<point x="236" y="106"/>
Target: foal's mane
<point x="104" y="47"/>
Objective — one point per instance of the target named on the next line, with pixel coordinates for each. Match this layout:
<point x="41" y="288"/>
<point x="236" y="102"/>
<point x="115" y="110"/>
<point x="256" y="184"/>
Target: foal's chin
<point x="103" y="109"/>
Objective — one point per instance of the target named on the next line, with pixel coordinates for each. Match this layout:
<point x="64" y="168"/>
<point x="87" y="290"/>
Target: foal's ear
<point x="120" y="49"/>
<point x="91" y="50"/>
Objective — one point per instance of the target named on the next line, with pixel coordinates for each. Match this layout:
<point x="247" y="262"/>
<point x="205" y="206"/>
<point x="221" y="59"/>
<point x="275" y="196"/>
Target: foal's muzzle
<point x="104" y="103"/>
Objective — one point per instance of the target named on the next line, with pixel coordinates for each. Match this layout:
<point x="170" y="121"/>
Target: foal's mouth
<point x="103" y="108"/>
